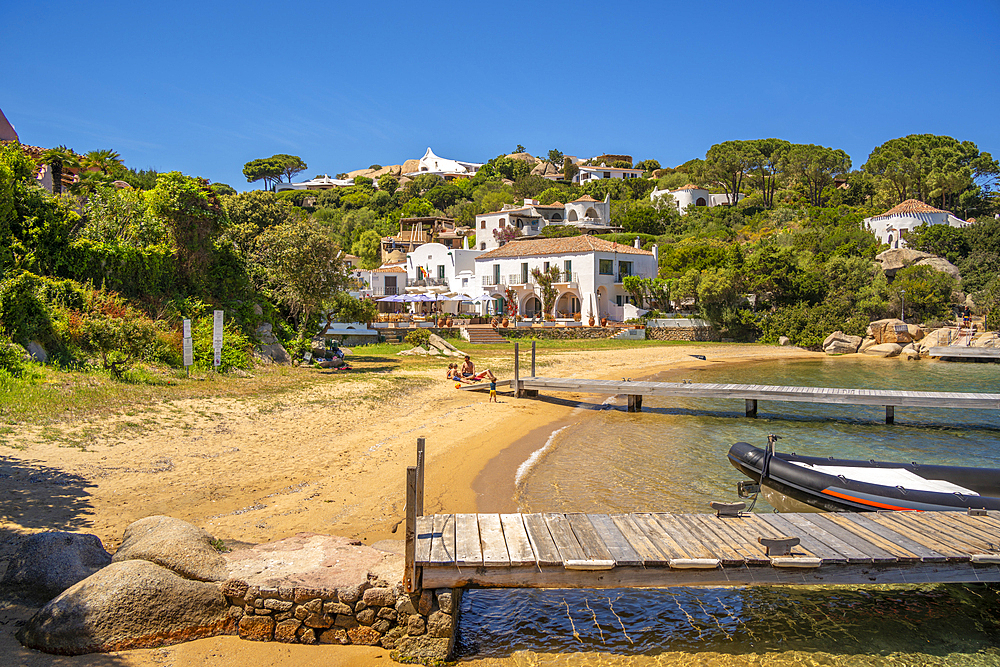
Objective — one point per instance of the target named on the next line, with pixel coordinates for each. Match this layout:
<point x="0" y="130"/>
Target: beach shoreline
<point x="323" y="462"/>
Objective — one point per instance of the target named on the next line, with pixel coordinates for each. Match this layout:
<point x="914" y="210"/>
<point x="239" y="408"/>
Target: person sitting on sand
<point x="469" y="371"/>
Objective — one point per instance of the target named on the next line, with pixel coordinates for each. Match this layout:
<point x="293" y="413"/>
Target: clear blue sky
<point x="205" y="87"/>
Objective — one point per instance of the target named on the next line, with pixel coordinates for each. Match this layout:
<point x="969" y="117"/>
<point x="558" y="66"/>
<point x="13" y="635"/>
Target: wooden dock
<point x="960" y="352"/>
<point x="649" y="550"/>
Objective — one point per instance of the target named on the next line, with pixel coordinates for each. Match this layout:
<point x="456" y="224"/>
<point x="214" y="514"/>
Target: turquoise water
<point x="672" y="457"/>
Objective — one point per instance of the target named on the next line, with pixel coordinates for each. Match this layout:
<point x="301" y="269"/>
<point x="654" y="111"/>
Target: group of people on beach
<point x="467" y="375"/>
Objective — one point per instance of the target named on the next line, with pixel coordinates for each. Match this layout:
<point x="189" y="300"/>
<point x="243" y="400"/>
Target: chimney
<point x="637" y="243"/>
<point x="656" y="255"/>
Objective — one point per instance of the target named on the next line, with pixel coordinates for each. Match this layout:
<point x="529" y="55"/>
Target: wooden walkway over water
<point x="556" y="550"/>
<point x="890" y="399"/>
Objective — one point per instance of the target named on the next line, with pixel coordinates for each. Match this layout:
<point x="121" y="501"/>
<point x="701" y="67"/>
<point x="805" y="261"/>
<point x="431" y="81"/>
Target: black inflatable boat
<point x="792" y="483"/>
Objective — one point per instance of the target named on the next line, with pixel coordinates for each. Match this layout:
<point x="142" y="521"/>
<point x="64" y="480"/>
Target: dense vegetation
<point x="103" y="274"/>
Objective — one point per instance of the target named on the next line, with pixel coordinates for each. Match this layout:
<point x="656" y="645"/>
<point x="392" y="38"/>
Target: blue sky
<point x="205" y="87"/>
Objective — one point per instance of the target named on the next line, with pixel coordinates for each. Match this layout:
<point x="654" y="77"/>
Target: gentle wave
<point x="525" y="467"/>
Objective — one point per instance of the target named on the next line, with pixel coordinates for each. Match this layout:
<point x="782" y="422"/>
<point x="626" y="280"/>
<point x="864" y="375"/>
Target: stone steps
<point x="484" y="335"/>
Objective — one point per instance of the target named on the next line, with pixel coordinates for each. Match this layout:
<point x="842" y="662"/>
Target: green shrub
<point x="12" y="362"/>
<point x="418" y="337"/>
<point x="119" y="341"/>
<point x="235" y="346"/>
<point x="24" y="316"/>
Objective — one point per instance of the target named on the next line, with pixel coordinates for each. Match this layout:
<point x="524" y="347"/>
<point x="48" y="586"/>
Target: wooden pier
<point x="752" y="393"/>
<point x="727" y="548"/>
<point x="960" y="352"/>
<point x="650" y="550"/>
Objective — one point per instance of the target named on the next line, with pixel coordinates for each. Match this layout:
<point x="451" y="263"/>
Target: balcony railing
<point x="568" y="277"/>
<point x="429" y="282"/>
<point x="490" y="281"/>
<point x="518" y="279"/>
<point x="385" y="291"/>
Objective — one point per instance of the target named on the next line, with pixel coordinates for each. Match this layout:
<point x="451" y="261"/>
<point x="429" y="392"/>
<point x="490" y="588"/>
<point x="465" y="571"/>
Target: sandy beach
<point x="321" y="462"/>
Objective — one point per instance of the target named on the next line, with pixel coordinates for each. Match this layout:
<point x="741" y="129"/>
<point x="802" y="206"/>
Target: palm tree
<point x="105" y="160"/>
<point x="57" y="158"/>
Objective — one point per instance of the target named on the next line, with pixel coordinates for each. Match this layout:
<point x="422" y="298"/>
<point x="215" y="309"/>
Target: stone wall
<point x="700" y="334"/>
<point x="374" y="614"/>
<point x="557" y="332"/>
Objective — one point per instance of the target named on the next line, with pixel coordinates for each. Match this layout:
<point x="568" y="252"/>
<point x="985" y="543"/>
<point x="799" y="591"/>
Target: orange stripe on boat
<point x="871" y="503"/>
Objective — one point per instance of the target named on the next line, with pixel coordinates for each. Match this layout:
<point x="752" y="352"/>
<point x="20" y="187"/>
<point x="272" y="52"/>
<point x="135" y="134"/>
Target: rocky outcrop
<point x="546" y="169"/>
<point x="940" y="264"/>
<point x="132" y="604"/>
<point x="174" y="544"/>
<point x="893" y="331"/>
<point x="988" y="339"/>
<point x="840" y="343"/>
<point x="884" y="350"/>
<point x="444" y="347"/>
<point x="525" y="157"/>
<point x="936" y="338"/>
<point x="894" y="259"/>
<point x="410" y="166"/>
<point x="910" y="352"/>
<point x="270" y="349"/>
<point x="46" y="564"/>
<point x="37" y="352"/>
<point x="784" y="341"/>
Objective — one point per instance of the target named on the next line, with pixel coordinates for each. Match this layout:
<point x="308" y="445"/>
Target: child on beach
<point x="493" y="390"/>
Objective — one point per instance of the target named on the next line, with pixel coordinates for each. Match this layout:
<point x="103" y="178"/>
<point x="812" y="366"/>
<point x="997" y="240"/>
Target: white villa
<point x="587" y="174"/>
<point x="323" y="182"/>
<point x="693" y="195"/>
<point x="447" y="169"/>
<point x="891" y="227"/>
<point x="591" y="271"/>
<point x="531" y="217"/>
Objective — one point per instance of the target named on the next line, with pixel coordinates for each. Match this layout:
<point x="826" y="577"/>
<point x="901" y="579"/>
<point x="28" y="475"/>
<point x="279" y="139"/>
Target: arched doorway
<point x="592" y="214"/>
<point x="567" y="305"/>
<point x="532" y="307"/>
<point x="701" y="202"/>
<point x="602" y="301"/>
<point x="572" y="216"/>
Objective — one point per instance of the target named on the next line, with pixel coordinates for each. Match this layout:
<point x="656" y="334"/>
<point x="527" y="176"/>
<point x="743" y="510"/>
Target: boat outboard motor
<point x="765" y="467"/>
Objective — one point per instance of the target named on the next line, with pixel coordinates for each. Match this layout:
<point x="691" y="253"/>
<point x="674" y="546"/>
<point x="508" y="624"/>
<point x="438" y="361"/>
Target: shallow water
<point x="672" y="457"/>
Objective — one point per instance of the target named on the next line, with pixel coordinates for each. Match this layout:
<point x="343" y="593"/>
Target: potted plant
<point x="505" y="322"/>
<point x="576" y="317"/>
<point x="591" y="319"/>
<point x="604" y="321"/>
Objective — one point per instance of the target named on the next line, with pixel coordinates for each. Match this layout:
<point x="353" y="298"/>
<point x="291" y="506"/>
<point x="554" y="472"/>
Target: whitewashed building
<point x="444" y="167"/>
<point x="587" y="174"/>
<point x="693" y="195"/>
<point x="323" y="182"/>
<point x="585" y="213"/>
<point x="591" y="274"/>
<point x="892" y="226"/>
<point x="437" y="265"/>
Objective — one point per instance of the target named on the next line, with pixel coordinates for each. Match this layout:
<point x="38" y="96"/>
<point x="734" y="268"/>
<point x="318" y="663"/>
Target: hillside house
<point x="892" y="226"/>
<point x="693" y="195"/>
<point x="447" y="169"/>
<point x="585" y="213"/>
<point x="591" y="274"/>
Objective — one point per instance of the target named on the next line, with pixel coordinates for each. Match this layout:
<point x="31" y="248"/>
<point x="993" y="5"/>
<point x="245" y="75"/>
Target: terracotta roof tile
<point x="690" y="186"/>
<point x="910" y="206"/>
<point x="391" y="268"/>
<point x="558" y="246"/>
<point x="586" y="198"/>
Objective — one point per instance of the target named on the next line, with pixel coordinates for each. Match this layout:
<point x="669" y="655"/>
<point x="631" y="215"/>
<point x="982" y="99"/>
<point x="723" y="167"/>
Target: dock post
<point x="517" y="374"/>
<point x="889" y="414"/>
<point x="635" y="402"/>
<point x="533" y="358"/>
<point x="419" y="504"/>
<point x="752" y="408"/>
<point x="638" y="402"/>
<point x="410" y="575"/>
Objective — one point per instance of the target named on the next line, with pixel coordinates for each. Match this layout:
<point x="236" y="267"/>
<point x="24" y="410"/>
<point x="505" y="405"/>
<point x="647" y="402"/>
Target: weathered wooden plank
<point x="751" y="550"/>
<point x="973" y="526"/>
<point x="850" y="553"/>
<point x="562" y="535"/>
<point x="877" y="554"/>
<point x="425" y="536"/>
<point x="655" y="533"/>
<point x="890" y="537"/>
<point x="722" y="548"/>
<point x="758" y="520"/>
<point x="641" y="577"/>
<point x="896" y="522"/>
<point x="468" y="550"/>
<point x="621" y="551"/>
<point x="960" y="535"/>
<point x="492" y="540"/>
<point x="684" y="537"/>
<point x="443" y="547"/>
<point x="940" y="533"/>
<point x="590" y="542"/>
<point x="806" y="538"/>
<point x="649" y="553"/>
<point x="542" y="545"/>
<point x="518" y="545"/>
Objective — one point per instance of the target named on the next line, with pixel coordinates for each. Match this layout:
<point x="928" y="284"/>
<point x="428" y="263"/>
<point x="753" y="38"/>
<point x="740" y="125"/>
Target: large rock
<point x="936" y="338"/>
<point x="265" y="333"/>
<point x="899" y="258"/>
<point x="988" y="339"/>
<point x="409" y="167"/>
<point x="126" y="605"/>
<point x="46" y="564"/>
<point x="37" y="352"/>
<point x="176" y="545"/>
<point x="910" y="352"/>
<point x="276" y="352"/>
<point x="867" y="343"/>
<point x="940" y="264"/>
<point x="892" y="331"/>
<point x="840" y="343"/>
<point x="885" y="350"/>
